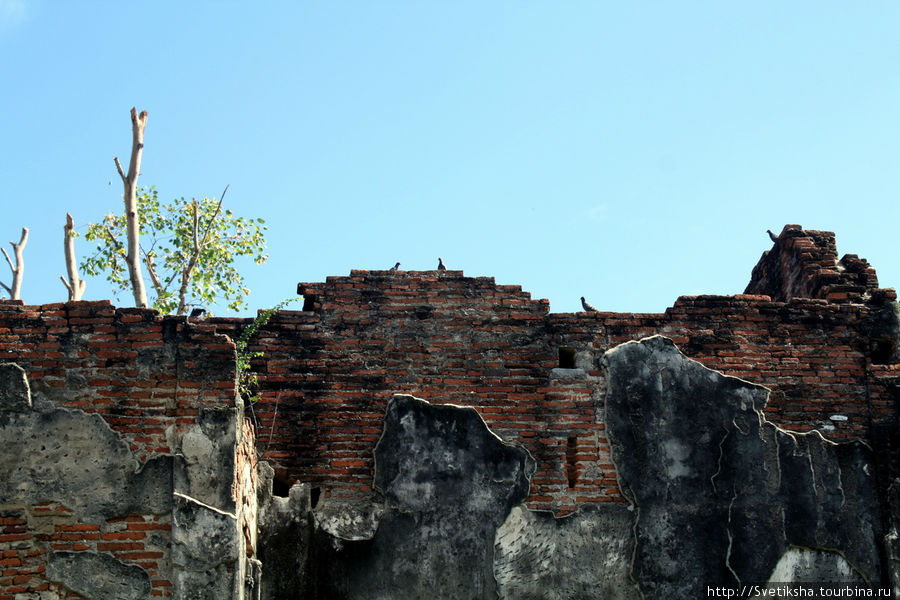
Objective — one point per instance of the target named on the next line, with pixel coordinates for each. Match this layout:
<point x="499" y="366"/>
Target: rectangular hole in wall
<point x="881" y="350"/>
<point x="281" y="485"/>
<point x="566" y="357"/>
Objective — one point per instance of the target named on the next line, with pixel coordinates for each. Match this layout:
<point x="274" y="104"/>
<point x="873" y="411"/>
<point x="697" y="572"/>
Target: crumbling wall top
<point x="804" y="264"/>
<point x="404" y="290"/>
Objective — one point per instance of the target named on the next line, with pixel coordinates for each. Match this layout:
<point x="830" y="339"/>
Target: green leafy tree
<point x="190" y="249"/>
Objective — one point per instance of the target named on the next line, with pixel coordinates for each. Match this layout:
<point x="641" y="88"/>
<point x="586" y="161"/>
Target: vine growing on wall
<point x="248" y="380"/>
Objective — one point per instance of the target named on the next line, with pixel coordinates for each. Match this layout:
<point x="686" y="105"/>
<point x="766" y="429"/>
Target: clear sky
<point x="630" y="152"/>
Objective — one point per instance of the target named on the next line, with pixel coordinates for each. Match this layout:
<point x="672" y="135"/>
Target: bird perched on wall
<point x="395" y="267"/>
<point x="772" y="236"/>
<point x="441" y="266"/>
<point x="588" y="306"/>
<point x="198" y="312"/>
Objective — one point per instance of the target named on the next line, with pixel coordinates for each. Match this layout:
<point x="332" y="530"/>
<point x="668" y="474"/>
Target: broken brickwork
<point x="120" y="432"/>
<point x="127" y="451"/>
<point x="826" y="348"/>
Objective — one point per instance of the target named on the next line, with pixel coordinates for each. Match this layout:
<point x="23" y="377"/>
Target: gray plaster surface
<point x="806" y="564"/>
<point x="202" y="536"/>
<point x="98" y="576"/>
<point x="205" y="469"/>
<point x="15" y="393"/>
<point x="285" y="530"/>
<point x="205" y="546"/>
<point x="76" y="459"/>
<point x="448" y="483"/>
<point x="584" y="556"/>
<point x="720" y="494"/>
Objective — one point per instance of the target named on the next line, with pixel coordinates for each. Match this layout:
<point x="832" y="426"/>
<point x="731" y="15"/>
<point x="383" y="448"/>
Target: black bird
<point x="772" y="236"/>
<point x="587" y="306"/>
<point x="197" y="313"/>
<point x="441" y="266"/>
<point x="395" y="267"/>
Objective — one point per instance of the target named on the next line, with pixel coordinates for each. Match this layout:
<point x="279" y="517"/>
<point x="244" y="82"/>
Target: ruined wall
<point x="825" y="348"/>
<point x="119" y="431"/>
<point x="330" y="369"/>
<point x="530" y="466"/>
<point x="804" y="264"/>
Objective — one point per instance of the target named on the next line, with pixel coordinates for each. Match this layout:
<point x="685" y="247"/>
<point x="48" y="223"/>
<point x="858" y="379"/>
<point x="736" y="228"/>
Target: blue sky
<point x="627" y="152"/>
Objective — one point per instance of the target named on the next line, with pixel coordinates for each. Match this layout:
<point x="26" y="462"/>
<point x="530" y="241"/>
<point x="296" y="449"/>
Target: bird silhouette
<point x="772" y="236"/>
<point x="587" y="306"/>
<point x="395" y="267"/>
<point x="197" y="313"/>
<point x="441" y="266"/>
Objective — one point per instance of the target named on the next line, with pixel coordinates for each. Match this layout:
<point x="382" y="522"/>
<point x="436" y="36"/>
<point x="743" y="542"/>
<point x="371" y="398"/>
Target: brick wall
<point x="26" y="535"/>
<point x="329" y="369"/>
<point x="147" y="377"/>
<point x="825" y="346"/>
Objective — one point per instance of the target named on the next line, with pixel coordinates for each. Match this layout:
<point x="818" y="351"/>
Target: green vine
<point x="248" y="381"/>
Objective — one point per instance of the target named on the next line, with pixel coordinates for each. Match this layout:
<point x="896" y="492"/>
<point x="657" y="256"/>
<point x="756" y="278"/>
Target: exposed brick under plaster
<point x="147" y="376"/>
<point x="328" y="371"/>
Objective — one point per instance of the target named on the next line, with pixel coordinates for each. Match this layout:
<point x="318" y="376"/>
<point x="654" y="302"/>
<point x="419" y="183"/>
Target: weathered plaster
<point x="720" y="494"/>
<point x="806" y="564"/>
<point x="206" y="452"/>
<point x="448" y="483"/>
<point x="584" y="556"/>
<point x="205" y="549"/>
<point x="77" y="460"/>
<point x="98" y="576"/>
<point x="15" y="394"/>
<point x="285" y="531"/>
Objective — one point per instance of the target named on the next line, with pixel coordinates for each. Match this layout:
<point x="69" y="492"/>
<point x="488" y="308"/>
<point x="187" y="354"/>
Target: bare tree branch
<point x="198" y="246"/>
<point x="12" y="267"/>
<point x="75" y="284"/>
<point x="151" y="269"/>
<point x="132" y="218"/>
<point x="195" y="252"/>
<point x="18" y="270"/>
<point x="119" y="168"/>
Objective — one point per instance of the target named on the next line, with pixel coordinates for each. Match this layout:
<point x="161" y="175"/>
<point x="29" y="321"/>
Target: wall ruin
<point x="134" y="447"/>
<point x="122" y="441"/>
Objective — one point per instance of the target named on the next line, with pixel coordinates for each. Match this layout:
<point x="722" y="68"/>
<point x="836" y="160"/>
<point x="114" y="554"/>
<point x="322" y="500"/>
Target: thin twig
<point x="198" y="246"/>
<point x="112" y="237"/>
<point x="215" y="214"/>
